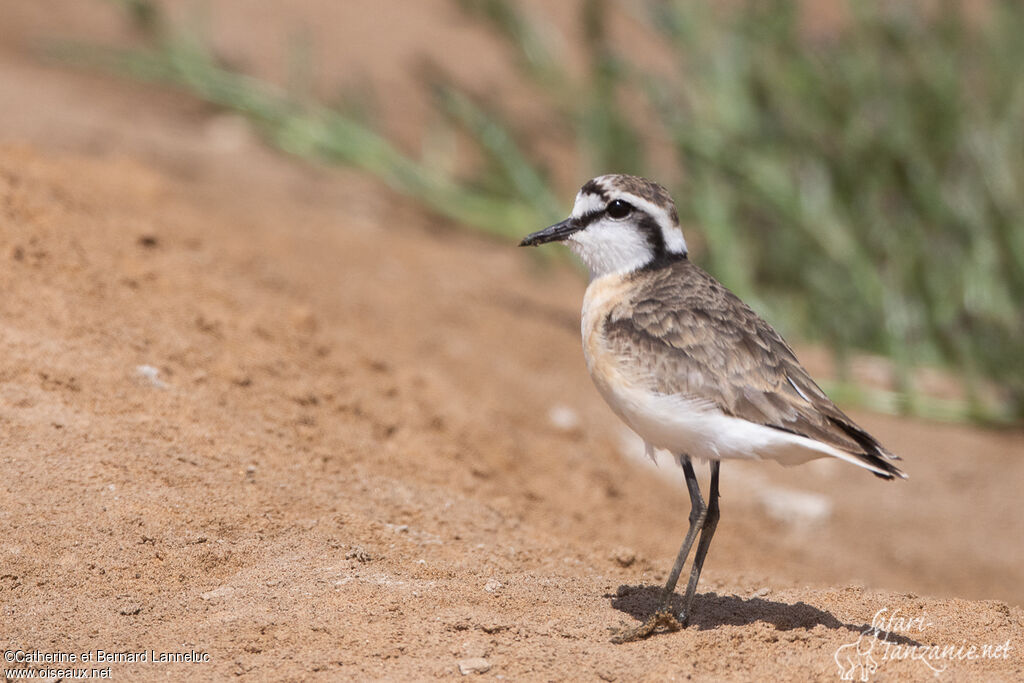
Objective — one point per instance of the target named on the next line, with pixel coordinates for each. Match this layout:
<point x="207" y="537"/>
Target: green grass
<point x="863" y="190"/>
<point x="288" y="120"/>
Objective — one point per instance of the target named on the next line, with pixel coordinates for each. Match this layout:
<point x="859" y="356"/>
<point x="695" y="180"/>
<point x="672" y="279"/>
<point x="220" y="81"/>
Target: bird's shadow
<point x="711" y="610"/>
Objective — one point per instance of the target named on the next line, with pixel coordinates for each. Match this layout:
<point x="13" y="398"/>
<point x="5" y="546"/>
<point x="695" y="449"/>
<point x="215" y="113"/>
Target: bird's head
<point x="619" y="224"/>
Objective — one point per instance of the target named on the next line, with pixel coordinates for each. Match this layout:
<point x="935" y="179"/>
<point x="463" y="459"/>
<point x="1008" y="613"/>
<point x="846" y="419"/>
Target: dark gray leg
<point x="710" y="522"/>
<point x="698" y="517"/>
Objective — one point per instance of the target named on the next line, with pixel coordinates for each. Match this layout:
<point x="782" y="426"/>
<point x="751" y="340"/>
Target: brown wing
<point x="693" y="337"/>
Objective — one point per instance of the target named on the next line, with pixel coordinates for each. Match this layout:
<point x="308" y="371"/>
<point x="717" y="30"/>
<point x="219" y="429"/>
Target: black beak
<point x="555" y="233"/>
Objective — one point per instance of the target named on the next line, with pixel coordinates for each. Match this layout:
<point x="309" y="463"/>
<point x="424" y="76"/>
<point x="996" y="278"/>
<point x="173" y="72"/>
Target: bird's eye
<point x="618" y="209"/>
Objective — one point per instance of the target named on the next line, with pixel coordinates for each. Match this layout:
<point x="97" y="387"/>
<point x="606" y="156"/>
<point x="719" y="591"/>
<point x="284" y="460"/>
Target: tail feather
<point x="874" y="453"/>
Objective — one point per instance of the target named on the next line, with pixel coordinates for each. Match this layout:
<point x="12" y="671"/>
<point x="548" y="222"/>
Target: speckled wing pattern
<point x="688" y="335"/>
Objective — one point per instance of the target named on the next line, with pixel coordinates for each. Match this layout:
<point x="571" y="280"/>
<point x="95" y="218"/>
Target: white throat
<point x="606" y="247"/>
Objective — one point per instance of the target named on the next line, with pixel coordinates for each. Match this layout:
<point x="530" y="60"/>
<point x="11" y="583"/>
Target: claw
<point x="663" y="617"/>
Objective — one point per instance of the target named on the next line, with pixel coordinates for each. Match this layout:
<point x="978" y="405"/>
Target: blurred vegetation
<point x="862" y="188"/>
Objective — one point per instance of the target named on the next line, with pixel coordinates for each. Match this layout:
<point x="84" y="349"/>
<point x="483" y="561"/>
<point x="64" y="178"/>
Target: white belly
<point x="698" y="429"/>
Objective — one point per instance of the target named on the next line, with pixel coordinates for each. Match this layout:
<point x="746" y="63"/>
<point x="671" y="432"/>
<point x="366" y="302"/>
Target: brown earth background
<point x="276" y="414"/>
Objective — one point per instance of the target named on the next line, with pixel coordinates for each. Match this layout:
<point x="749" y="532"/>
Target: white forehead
<point x="586" y="203"/>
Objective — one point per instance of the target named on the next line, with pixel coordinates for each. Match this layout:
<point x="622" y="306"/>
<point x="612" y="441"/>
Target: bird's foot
<point x="661" y="618"/>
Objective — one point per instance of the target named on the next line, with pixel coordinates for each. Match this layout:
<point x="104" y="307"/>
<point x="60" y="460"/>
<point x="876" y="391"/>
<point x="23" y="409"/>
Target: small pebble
<point x="152" y="374"/>
<point x="217" y="593"/>
<point x="563" y="418"/>
<point x="624" y="556"/>
<point x="476" y="665"/>
<point x="358" y="554"/>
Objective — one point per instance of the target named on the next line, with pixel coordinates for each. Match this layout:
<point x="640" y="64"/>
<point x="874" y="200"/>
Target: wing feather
<point x="688" y="335"/>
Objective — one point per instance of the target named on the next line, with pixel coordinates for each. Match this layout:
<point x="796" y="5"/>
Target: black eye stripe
<point x="652" y="231"/>
<point x="646" y="223"/>
<point x="588" y="218"/>
<point x="645" y="220"/>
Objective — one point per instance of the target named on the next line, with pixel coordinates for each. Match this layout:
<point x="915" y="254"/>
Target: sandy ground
<point x="276" y="416"/>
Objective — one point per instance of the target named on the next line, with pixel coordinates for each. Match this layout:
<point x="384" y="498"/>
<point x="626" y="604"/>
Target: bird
<point x="688" y="366"/>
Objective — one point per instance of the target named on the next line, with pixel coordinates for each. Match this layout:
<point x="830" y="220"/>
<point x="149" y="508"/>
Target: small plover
<point x="687" y="365"/>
